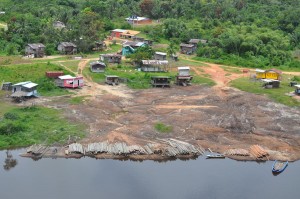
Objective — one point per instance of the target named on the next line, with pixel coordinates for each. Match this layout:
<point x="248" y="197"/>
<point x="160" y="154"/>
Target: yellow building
<point x="268" y="74"/>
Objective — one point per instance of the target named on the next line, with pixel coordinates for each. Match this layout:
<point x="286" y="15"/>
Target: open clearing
<point x="219" y="117"/>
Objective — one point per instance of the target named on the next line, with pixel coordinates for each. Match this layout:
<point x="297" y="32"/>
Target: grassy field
<point x="72" y="65"/>
<point x="137" y="79"/>
<point x="22" y="127"/>
<point x="277" y="94"/>
<point x="34" y="73"/>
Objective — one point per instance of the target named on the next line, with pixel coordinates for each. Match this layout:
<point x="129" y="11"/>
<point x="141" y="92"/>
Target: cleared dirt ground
<point x="219" y="118"/>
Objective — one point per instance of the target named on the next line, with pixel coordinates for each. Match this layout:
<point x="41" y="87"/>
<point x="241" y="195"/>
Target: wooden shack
<point x="54" y="74"/>
<point x="129" y="47"/>
<point x="141" y="39"/>
<point x="194" y="42"/>
<point x="99" y="45"/>
<point x="183" y="78"/>
<point x="135" y="20"/>
<point x="161" y="81"/>
<point x="154" y="65"/>
<point x="97" y="67"/>
<point x="117" y="33"/>
<point x="297" y="89"/>
<point x="187" y="48"/>
<point x="160" y="56"/>
<point x="68" y="81"/>
<point x="35" y="50"/>
<point x="112" y="79"/>
<point x="270" y="83"/>
<point x="67" y="48"/>
<point x="268" y="74"/>
<point x="111" y="58"/>
<point x="24" y="89"/>
<point x="6" y="86"/>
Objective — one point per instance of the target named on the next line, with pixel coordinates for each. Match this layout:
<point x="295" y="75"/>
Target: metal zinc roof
<point x="260" y="70"/>
<point x="30" y="85"/>
<point x="269" y="80"/>
<point x="160" y="53"/>
<point x="297" y="86"/>
<point x="119" y="30"/>
<point x="66" y="77"/>
<point x="184" y="68"/>
<point x="22" y="83"/>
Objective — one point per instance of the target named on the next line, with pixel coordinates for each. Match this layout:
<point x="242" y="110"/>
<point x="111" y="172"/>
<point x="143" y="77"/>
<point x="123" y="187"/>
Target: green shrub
<point x="161" y="127"/>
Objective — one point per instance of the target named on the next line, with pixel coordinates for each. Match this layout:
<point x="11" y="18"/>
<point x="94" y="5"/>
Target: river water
<point x="88" y="178"/>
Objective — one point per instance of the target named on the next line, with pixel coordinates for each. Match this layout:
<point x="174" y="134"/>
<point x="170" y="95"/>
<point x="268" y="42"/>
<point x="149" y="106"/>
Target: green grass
<point x="77" y="100"/>
<point x="22" y="127"/>
<point x="231" y="70"/>
<point x="136" y="79"/>
<point x="277" y="94"/>
<point x="163" y="128"/>
<point x="34" y="73"/>
<point x="72" y="65"/>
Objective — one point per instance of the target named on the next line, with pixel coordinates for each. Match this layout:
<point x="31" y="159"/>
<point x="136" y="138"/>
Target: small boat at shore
<point x="211" y="156"/>
<point x="279" y="167"/>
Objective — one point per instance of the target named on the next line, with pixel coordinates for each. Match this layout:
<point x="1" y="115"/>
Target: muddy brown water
<point x="91" y="178"/>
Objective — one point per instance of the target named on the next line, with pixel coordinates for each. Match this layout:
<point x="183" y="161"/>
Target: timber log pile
<point x="258" y="152"/>
<point x="76" y="148"/>
<point x="37" y="149"/>
<point x="237" y="152"/>
<point x="177" y="147"/>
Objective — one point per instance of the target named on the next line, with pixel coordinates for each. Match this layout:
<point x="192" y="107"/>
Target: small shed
<point x="141" y="39"/>
<point x="67" y="48"/>
<point x="111" y="58"/>
<point x="129" y="34"/>
<point x="194" y="42"/>
<point x="54" y="74"/>
<point x="99" y="45"/>
<point x="24" y="89"/>
<point x="112" y="79"/>
<point x="97" y="67"/>
<point x="270" y="83"/>
<point x="187" y="48"/>
<point x="116" y="33"/>
<point x="297" y="89"/>
<point x="36" y="50"/>
<point x="184" y="78"/>
<point x="6" y="86"/>
<point x="160" y="56"/>
<point x="138" y="20"/>
<point x="130" y="46"/>
<point x="154" y="65"/>
<point x="162" y="81"/>
<point x="58" y="25"/>
<point x="68" y="81"/>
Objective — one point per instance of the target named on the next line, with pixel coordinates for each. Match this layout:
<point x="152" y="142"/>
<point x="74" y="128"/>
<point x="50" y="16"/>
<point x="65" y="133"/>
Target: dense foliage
<point x="253" y="32"/>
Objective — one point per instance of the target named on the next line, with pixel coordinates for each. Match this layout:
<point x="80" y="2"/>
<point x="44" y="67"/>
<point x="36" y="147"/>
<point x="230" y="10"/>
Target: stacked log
<point x="36" y="149"/>
<point x="237" y="152"/>
<point x="95" y="148"/>
<point x="76" y="148"/>
<point x="178" y="147"/>
<point x="258" y="151"/>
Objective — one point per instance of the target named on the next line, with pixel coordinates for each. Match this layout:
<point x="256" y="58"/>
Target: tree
<point x="146" y="7"/>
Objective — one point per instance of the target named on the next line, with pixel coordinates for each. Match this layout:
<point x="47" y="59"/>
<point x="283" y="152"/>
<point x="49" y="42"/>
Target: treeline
<point x="255" y="32"/>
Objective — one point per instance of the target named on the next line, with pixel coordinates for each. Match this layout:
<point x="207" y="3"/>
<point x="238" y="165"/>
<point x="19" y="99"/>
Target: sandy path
<point x="92" y="89"/>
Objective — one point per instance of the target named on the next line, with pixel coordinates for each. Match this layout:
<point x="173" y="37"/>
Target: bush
<point x="11" y="116"/>
<point x="161" y="127"/>
<point x="10" y="128"/>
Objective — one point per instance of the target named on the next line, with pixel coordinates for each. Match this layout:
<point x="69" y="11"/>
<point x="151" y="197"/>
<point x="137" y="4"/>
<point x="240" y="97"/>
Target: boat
<point x="279" y="167"/>
<point x="210" y="156"/>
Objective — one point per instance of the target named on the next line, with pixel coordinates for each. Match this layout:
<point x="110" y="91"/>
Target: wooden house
<point x="268" y="74"/>
<point x="36" y="50"/>
<point x="154" y="65"/>
<point x="54" y="74"/>
<point x="112" y="79"/>
<point x="116" y="33"/>
<point x="183" y="78"/>
<point x="141" y="39"/>
<point x="297" y="89"/>
<point x="160" y="56"/>
<point x="129" y="34"/>
<point x="130" y="46"/>
<point x="97" y="67"/>
<point x="187" y="48"/>
<point x="161" y="81"/>
<point x="67" y="81"/>
<point x="67" y="48"/>
<point x="111" y="58"/>
<point x="58" y="25"/>
<point x="270" y="83"/>
<point x="194" y="42"/>
<point x="6" y="86"/>
<point x="135" y="20"/>
<point x="24" y="89"/>
<point x="99" y="45"/>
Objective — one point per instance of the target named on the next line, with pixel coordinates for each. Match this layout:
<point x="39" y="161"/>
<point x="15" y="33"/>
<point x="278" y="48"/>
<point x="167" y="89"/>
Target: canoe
<point x="279" y="167"/>
<point x="215" y="156"/>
